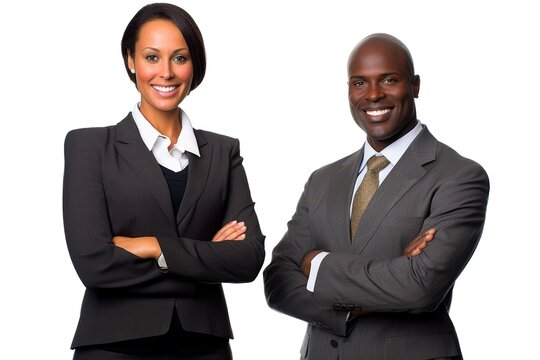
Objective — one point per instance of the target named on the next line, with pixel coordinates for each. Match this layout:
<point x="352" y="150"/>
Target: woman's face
<point x="163" y="67"/>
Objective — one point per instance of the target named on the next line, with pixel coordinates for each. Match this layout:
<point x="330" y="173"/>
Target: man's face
<point x="382" y="91"/>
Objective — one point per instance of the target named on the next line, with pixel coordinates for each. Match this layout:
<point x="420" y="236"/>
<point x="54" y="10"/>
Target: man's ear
<point x="416" y="85"/>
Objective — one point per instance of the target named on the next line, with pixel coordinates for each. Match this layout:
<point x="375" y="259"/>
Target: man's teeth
<point x="377" y="112"/>
<point x="164" y="88"/>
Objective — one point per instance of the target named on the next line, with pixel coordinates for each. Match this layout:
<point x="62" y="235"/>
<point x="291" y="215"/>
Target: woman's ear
<point x="131" y="62"/>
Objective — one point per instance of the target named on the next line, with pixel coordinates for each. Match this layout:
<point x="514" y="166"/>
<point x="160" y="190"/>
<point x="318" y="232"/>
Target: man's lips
<point x="377" y="112"/>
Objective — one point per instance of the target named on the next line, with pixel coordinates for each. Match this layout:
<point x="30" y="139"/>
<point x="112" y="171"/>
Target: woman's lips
<point x="166" y="91"/>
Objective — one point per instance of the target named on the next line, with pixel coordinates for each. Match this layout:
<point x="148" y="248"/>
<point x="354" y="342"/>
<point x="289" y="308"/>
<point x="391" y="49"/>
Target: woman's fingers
<point x="231" y="231"/>
<point x="223" y="229"/>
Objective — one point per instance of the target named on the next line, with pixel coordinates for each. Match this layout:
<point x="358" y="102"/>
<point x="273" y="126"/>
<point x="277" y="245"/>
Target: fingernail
<point x="241" y="223"/>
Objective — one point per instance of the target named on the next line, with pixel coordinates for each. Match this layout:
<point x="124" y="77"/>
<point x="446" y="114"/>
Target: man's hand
<point x="306" y="263"/>
<point x="416" y="246"/>
<point x="146" y="247"/>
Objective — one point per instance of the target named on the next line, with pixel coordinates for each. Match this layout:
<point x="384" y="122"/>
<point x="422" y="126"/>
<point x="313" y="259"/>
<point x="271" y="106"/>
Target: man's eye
<point x="389" y="81"/>
<point x="359" y="83"/>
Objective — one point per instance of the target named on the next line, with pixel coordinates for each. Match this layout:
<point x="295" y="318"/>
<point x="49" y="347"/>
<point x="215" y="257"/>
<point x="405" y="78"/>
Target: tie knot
<point x="377" y="163"/>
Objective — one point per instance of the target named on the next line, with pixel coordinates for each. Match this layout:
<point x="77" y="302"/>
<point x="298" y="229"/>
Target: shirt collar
<point x="395" y="150"/>
<point x="186" y="141"/>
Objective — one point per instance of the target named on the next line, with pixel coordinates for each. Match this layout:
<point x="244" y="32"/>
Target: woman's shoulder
<point x="97" y="135"/>
<point x="91" y="138"/>
<point x="214" y="138"/>
<point x="90" y="132"/>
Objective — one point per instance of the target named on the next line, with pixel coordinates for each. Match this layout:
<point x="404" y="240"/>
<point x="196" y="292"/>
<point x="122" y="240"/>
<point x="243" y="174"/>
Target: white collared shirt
<point x="393" y="153"/>
<point x="176" y="159"/>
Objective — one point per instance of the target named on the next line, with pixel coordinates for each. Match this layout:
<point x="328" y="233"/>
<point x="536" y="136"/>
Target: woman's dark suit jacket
<point x="114" y="186"/>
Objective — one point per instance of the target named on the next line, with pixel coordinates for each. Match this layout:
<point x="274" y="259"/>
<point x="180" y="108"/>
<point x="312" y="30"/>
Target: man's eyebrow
<point x="389" y="73"/>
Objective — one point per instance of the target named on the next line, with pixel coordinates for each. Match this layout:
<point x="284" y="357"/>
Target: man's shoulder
<point x="450" y="159"/>
<point x="344" y="164"/>
<point x="434" y="154"/>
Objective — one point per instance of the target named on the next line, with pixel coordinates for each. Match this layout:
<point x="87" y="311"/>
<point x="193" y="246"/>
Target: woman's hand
<point x="146" y="247"/>
<point x="233" y="230"/>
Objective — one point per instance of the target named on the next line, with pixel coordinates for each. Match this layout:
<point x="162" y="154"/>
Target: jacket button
<point x="334" y="343"/>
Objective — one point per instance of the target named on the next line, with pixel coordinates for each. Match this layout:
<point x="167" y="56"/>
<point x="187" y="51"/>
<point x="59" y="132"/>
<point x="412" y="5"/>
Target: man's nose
<point x="374" y="93"/>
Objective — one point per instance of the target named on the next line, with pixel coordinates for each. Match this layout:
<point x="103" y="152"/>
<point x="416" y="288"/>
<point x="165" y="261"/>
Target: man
<point x="347" y="264"/>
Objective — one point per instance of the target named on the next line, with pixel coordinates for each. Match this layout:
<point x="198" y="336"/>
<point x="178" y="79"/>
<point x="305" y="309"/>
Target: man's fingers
<point x="419" y="243"/>
<point x="430" y="234"/>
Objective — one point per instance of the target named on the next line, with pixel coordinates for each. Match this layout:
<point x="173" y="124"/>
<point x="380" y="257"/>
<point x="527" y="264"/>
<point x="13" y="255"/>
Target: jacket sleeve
<point x="285" y="284"/>
<point x="225" y="261"/>
<point x="419" y="283"/>
<point x="98" y="262"/>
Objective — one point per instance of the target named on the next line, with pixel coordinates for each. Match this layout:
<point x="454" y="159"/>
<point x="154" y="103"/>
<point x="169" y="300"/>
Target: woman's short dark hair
<point x="185" y="24"/>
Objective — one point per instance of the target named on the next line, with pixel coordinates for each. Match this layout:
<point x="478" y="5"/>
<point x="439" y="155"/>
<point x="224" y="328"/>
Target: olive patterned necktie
<point x="365" y="191"/>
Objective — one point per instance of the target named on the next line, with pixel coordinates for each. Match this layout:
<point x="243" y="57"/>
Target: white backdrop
<point x="276" y="79"/>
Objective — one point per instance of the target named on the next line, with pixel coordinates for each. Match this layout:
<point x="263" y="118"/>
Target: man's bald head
<point x="386" y="40"/>
<point x="382" y="89"/>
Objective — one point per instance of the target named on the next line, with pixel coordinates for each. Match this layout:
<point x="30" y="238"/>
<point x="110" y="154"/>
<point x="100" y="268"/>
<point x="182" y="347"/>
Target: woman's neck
<point x="168" y="123"/>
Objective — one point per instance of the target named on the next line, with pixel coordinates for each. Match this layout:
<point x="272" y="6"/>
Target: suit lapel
<point x="132" y="148"/>
<point x="199" y="168"/>
<point x="407" y="172"/>
<point x="340" y="197"/>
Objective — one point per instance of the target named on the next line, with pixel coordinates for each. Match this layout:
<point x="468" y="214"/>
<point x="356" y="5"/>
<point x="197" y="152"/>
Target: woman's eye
<point x="151" y="57"/>
<point x="180" y="59"/>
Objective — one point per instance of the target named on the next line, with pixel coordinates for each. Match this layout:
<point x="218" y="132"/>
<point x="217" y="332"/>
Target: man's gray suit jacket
<point x="114" y="186"/>
<point x="406" y="299"/>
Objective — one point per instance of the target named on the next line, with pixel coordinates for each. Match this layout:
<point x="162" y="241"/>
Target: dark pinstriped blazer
<point x="407" y="298"/>
<point x="114" y="186"/>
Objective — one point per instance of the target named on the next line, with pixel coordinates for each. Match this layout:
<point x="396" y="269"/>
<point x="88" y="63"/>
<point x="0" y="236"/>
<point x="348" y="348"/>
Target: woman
<point x="144" y="206"/>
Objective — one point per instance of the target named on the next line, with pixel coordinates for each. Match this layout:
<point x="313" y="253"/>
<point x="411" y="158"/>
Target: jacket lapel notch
<point x="407" y="172"/>
<point x="340" y="197"/>
<point x="132" y="148"/>
<point x="199" y="168"/>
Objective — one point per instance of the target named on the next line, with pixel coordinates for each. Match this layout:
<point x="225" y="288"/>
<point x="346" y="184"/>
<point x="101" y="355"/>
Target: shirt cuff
<point x="315" y="263"/>
<point x="161" y="262"/>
